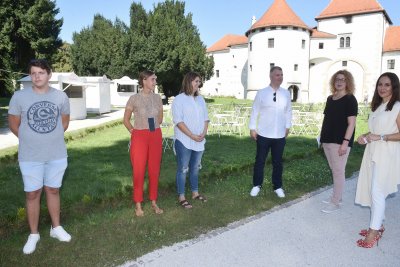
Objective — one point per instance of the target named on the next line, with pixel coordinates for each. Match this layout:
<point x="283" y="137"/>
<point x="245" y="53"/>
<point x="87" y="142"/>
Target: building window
<point x="284" y="27"/>
<point x="251" y="67"/>
<point x="347" y="41"/>
<point x="344" y="63"/>
<point x="296" y="67"/>
<point x="251" y="46"/>
<point x="390" y="64"/>
<point x="126" y="88"/>
<point x="271" y="65"/>
<point x="273" y="28"/>
<point x="303" y="44"/>
<point x="73" y="91"/>
<point x="295" y="28"/>
<point x="217" y="73"/>
<point x="348" y="19"/>
<point x="271" y="43"/>
<point x="321" y="45"/>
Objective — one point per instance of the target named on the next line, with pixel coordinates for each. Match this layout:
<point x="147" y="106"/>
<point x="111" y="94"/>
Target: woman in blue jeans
<point x="190" y="118"/>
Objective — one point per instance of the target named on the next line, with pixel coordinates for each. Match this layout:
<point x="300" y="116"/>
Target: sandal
<point x="200" y="198"/>
<point x="157" y="210"/>
<point x="185" y="204"/>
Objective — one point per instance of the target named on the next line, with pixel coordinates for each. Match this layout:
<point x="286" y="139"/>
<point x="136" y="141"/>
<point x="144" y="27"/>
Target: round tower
<point x="279" y="38"/>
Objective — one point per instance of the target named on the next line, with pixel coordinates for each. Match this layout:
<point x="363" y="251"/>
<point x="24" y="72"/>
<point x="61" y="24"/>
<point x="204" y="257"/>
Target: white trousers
<point x="378" y="202"/>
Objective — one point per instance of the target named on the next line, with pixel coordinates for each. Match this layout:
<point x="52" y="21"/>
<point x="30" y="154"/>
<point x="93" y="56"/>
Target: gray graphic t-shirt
<point x="41" y="134"/>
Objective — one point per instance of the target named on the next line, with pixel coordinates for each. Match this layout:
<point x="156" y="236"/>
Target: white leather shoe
<point x="255" y="190"/>
<point x="279" y="192"/>
<point x="59" y="233"/>
<point x="30" y="245"/>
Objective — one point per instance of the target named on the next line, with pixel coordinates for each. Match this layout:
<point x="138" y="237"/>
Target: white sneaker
<point x="280" y="193"/>
<point x="330" y="208"/>
<point x="59" y="233"/>
<point x="329" y="200"/>
<point x="255" y="190"/>
<point x="30" y="245"/>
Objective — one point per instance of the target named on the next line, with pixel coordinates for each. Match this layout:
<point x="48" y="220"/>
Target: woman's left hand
<point x="343" y="149"/>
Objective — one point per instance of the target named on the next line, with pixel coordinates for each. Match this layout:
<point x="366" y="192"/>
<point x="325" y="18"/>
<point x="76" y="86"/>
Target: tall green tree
<point x="62" y="61"/>
<point x="174" y="46"/>
<point x="99" y="49"/>
<point x="28" y="30"/>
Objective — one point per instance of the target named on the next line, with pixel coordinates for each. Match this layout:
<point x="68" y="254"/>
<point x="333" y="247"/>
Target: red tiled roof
<point x="227" y="41"/>
<point x="318" y="34"/>
<point x="279" y="14"/>
<point x="392" y="39"/>
<point x="337" y="8"/>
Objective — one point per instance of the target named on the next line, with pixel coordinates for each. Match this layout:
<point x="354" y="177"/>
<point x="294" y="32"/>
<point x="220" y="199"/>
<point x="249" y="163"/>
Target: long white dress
<point x="384" y="155"/>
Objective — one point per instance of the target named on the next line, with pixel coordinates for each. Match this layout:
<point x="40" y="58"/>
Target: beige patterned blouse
<point x="144" y="107"/>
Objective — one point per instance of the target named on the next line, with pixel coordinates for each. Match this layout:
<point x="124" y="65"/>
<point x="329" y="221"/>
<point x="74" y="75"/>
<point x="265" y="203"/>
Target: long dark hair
<point x="377" y="100"/>
<point x="187" y="87"/>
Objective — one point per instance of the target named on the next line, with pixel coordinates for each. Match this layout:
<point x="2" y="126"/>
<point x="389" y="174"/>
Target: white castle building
<point x="356" y="35"/>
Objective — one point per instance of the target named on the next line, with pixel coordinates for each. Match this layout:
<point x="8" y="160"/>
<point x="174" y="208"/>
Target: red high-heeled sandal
<point x="363" y="244"/>
<point x="364" y="232"/>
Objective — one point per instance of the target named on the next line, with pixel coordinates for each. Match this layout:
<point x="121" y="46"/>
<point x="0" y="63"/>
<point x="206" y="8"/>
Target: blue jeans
<point x="188" y="161"/>
<point x="263" y="146"/>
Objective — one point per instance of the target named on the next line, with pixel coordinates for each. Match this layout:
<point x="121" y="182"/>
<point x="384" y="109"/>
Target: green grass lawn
<point x="96" y="197"/>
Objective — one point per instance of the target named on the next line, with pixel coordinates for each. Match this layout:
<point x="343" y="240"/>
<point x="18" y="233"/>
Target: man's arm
<point x="65" y="121"/>
<point x="14" y="122"/>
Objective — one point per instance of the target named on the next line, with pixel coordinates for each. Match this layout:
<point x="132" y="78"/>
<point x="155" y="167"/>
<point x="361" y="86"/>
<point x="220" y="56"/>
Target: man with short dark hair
<point x="39" y="116"/>
<point x="270" y="120"/>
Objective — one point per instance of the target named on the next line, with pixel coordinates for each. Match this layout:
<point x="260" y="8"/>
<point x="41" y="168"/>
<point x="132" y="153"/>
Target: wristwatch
<point x="382" y="137"/>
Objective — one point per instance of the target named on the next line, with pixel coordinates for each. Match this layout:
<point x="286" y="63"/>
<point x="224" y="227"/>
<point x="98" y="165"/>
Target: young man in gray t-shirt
<point x="39" y="116"/>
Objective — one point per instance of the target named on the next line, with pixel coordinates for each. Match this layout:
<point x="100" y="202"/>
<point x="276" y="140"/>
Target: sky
<point x="213" y="18"/>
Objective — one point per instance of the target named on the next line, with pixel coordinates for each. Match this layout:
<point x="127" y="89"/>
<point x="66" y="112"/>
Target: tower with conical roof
<point x="351" y="34"/>
<point x="278" y="38"/>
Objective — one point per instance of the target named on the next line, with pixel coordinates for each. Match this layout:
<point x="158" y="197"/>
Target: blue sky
<point x="213" y="18"/>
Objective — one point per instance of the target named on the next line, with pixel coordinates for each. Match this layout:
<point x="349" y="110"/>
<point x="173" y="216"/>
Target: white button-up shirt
<point x="271" y="118"/>
<point x="193" y="112"/>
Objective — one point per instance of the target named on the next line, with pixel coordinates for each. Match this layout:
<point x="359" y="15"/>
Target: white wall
<point x="286" y="53"/>
<point x="395" y="55"/>
<point x="232" y="68"/>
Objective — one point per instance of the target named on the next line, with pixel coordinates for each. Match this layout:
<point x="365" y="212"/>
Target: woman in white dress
<point x="380" y="168"/>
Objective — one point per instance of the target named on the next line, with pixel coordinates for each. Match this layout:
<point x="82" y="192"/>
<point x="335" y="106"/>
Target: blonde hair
<point x="349" y="81"/>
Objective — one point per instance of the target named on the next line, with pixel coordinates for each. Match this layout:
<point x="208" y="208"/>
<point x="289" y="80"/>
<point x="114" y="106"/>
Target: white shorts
<point x="48" y="173"/>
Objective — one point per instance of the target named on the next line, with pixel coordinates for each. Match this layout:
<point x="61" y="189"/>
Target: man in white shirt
<point x="270" y="121"/>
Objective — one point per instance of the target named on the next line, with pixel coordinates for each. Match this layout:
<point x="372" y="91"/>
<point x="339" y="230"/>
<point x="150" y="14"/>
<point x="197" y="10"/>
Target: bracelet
<point x="345" y="139"/>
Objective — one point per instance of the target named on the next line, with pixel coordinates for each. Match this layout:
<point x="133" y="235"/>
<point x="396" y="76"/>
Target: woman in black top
<point x="337" y="134"/>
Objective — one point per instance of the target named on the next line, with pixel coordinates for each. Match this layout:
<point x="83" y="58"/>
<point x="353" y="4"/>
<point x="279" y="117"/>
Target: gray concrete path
<point x="8" y="139"/>
<point x="294" y="234"/>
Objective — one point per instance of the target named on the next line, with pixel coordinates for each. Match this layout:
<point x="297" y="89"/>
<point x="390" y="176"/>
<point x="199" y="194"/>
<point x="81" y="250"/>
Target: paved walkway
<point x="8" y="139"/>
<point x="294" y="234"/>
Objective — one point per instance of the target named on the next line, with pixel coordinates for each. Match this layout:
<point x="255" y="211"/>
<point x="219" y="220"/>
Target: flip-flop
<point x="200" y="198"/>
<point x="185" y="204"/>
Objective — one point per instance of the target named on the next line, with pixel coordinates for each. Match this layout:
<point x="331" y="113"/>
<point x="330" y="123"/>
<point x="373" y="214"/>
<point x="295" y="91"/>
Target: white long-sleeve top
<point x="193" y="112"/>
<point x="271" y="119"/>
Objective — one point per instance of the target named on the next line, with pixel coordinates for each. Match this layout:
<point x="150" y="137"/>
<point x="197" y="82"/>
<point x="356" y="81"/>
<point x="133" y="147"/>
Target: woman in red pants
<point x="146" y="139"/>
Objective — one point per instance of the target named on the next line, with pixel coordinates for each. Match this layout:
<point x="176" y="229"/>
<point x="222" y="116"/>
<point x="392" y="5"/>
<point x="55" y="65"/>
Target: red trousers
<point x="146" y="147"/>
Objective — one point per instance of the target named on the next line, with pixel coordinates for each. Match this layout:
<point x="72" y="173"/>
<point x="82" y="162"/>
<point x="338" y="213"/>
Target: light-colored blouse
<point x="144" y="107"/>
<point x="193" y="112"/>
<point x="382" y="156"/>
